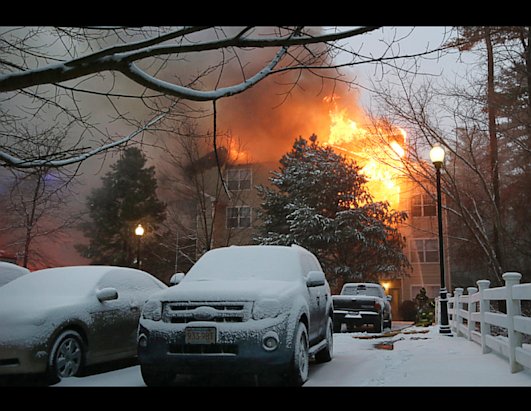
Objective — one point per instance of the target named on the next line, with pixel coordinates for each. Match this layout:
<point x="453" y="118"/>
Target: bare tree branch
<point x="45" y="70"/>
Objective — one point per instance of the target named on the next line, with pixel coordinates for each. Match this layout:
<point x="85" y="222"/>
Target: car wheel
<point x="155" y="377"/>
<point x="326" y="353"/>
<point x="378" y="325"/>
<point x="301" y="359"/>
<point x="66" y="356"/>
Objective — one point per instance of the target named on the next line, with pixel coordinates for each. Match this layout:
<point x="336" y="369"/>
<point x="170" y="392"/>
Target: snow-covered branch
<point x="117" y="57"/>
<point x="52" y="69"/>
<point x="141" y="77"/>
<point x="16" y="162"/>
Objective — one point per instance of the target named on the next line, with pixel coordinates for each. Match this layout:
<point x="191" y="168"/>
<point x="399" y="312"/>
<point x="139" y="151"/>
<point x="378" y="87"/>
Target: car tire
<point x="337" y="327"/>
<point x="378" y="325"/>
<point x="298" y="373"/>
<point x="327" y="353"/>
<point x="153" y="376"/>
<point x="66" y="356"/>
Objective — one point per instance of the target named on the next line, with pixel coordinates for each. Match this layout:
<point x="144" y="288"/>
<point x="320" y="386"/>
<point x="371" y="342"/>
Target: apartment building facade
<point x="235" y="218"/>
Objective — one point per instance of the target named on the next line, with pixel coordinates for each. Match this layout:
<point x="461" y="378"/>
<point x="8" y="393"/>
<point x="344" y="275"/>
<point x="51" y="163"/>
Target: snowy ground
<point x="423" y="358"/>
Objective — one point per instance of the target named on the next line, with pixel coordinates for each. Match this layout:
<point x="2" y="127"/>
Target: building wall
<point x="243" y="195"/>
<point x="421" y="234"/>
<point x="417" y="230"/>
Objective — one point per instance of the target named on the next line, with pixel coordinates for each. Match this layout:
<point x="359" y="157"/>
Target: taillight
<point x="378" y="306"/>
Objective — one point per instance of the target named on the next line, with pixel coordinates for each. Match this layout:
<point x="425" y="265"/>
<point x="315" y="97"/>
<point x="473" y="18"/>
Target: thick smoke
<point x="268" y="117"/>
<point x="267" y="122"/>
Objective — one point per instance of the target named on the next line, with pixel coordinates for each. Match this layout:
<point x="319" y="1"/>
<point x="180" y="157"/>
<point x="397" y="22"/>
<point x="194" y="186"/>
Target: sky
<point x="447" y="65"/>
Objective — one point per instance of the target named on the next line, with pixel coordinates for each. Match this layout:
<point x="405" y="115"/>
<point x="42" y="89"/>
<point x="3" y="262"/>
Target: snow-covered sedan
<point x="58" y="320"/>
<point x="240" y="310"/>
<point x="9" y="272"/>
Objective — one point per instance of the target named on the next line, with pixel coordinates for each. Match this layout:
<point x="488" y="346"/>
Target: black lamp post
<point x="139" y="232"/>
<point x="437" y="158"/>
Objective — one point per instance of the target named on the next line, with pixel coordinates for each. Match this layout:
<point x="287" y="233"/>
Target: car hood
<point x="242" y="290"/>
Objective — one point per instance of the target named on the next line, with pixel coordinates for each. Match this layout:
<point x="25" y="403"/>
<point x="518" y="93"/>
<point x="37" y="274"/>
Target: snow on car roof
<point x="9" y="272"/>
<point x="271" y="262"/>
<point x="74" y="280"/>
<point x="4" y="266"/>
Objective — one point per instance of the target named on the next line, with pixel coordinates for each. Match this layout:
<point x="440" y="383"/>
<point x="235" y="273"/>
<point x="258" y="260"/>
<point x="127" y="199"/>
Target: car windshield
<point x="362" y="290"/>
<point x="247" y="263"/>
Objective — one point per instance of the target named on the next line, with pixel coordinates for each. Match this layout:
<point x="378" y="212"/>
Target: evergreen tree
<point x="320" y="201"/>
<point x="126" y="198"/>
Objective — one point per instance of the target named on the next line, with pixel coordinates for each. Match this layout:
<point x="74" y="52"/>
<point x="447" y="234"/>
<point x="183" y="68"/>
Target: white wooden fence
<point x="474" y="322"/>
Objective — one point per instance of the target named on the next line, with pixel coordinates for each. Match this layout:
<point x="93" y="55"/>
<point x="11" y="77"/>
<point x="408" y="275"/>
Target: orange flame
<point x="237" y="155"/>
<point x="377" y="148"/>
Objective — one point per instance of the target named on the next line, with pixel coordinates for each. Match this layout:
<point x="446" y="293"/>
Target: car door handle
<point x="134" y="308"/>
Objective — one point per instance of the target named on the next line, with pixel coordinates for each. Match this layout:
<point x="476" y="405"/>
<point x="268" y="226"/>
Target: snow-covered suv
<point x="259" y="310"/>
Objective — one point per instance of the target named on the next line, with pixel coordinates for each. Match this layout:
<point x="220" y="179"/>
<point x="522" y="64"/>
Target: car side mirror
<point x="107" y="294"/>
<point x="176" y="278"/>
<point x="315" y="279"/>
<point x="389" y="297"/>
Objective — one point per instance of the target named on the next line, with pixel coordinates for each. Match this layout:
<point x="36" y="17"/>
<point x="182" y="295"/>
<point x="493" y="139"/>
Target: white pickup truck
<point x="362" y="303"/>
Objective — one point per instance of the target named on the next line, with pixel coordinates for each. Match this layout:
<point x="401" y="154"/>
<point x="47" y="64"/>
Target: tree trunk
<point x="30" y="219"/>
<point x="493" y="146"/>
<point x="27" y="243"/>
<point x="528" y="73"/>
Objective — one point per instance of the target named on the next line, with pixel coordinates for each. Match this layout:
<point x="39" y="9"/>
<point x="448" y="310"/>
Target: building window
<point x="423" y="205"/>
<point x="239" y="179"/>
<point x="238" y="217"/>
<point x="427" y="250"/>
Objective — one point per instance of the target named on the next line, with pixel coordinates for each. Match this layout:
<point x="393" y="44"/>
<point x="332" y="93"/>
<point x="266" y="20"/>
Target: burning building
<point x="379" y="148"/>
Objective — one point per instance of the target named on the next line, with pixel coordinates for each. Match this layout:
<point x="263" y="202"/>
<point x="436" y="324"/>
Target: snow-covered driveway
<point x="423" y="358"/>
<point x="419" y="359"/>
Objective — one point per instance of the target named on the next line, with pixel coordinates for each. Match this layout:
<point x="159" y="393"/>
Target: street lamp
<point x="139" y="232"/>
<point x="437" y="158"/>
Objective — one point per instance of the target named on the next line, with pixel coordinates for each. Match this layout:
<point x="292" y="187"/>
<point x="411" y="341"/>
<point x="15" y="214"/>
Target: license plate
<point x="353" y="316"/>
<point x="200" y="335"/>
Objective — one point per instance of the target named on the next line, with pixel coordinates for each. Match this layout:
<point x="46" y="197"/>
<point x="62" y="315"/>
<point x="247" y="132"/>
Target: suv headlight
<point x="266" y="308"/>
<point x="152" y="310"/>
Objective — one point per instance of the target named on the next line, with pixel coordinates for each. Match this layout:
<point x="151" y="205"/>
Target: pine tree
<point x="319" y="201"/>
<point x="126" y="198"/>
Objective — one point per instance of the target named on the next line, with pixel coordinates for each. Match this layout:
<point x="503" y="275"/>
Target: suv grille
<point x="220" y="312"/>
<point x="217" y="349"/>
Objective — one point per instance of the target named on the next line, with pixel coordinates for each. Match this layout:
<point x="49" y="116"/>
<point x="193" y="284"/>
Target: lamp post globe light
<point x="139" y="232"/>
<point x="437" y="158"/>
